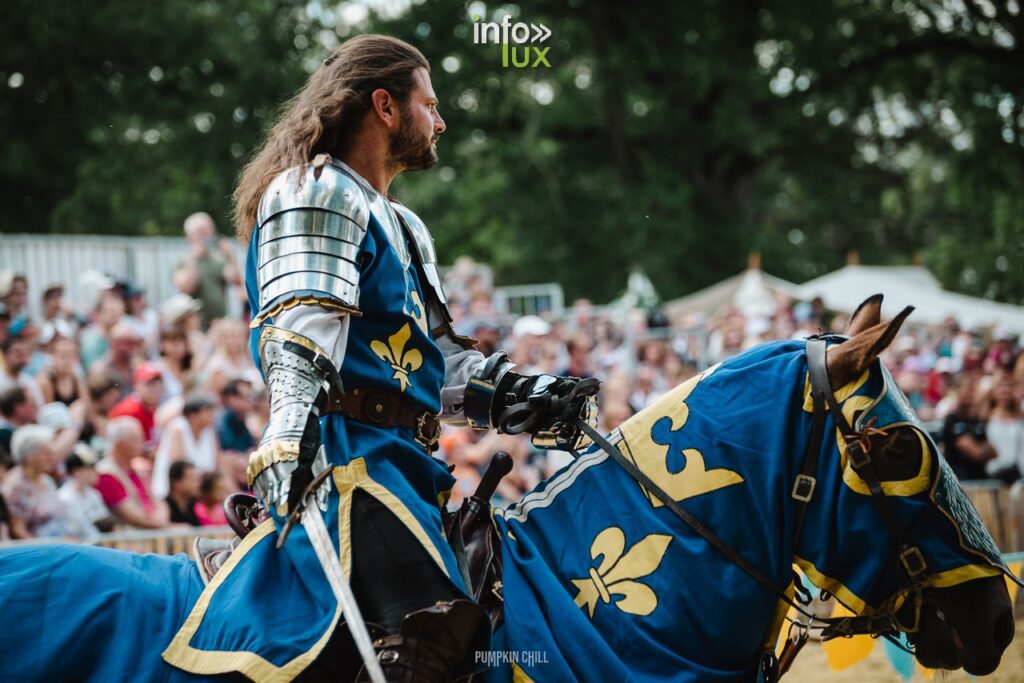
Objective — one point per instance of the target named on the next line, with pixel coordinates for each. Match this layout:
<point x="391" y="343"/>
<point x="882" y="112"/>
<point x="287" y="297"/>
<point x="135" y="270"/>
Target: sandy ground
<point x="812" y="666"/>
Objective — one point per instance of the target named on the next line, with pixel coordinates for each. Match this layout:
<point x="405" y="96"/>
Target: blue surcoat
<point x="268" y="612"/>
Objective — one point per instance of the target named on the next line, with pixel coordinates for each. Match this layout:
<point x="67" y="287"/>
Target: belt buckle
<point x="428" y="430"/>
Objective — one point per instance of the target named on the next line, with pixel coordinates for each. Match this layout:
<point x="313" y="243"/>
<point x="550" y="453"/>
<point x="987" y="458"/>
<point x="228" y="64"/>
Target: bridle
<point x="885" y="622"/>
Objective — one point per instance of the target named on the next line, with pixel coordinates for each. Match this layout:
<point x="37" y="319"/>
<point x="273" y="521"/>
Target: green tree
<point x="124" y="117"/>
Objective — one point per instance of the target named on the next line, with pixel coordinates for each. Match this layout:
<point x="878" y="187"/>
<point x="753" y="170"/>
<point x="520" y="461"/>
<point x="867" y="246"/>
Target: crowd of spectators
<point x="128" y="415"/>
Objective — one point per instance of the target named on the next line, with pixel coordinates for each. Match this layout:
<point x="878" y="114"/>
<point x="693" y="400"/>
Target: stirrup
<point x="211" y="554"/>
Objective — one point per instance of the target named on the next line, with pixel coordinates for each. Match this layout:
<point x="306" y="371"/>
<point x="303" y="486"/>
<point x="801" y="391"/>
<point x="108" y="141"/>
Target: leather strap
<point x="858" y="453"/>
<point x="803" y="487"/>
<point x="383" y="408"/>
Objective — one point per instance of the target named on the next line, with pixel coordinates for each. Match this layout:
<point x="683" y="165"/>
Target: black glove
<point x="547" y="407"/>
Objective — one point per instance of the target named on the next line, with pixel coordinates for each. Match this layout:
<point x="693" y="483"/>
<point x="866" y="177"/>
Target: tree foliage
<point x="673" y="136"/>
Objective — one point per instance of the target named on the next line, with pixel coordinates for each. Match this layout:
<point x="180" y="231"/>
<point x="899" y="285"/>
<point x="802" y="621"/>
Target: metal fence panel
<point x="62" y="259"/>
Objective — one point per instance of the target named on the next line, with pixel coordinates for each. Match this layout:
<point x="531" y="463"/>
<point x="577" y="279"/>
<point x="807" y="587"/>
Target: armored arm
<point x="544" y="406"/>
<point x="311" y="227"/>
<point x="300" y="381"/>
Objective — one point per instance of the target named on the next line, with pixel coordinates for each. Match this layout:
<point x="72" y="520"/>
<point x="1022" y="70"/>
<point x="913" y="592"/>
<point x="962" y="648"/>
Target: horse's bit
<point x="858" y="450"/>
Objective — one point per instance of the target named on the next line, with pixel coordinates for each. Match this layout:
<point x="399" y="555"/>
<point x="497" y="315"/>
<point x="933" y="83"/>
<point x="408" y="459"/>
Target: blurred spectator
<point x="142" y="317"/>
<point x="14" y="292"/>
<point x="189" y="437"/>
<point x="124" y="352"/>
<point x="87" y="515"/>
<point x="143" y="402"/>
<point x="1005" y="430"/>
<point x="210" y="506"/>
<point x="30" y="492"/>
<point x="95" y="339"/>
<point x="580" y="365"/>
<point x="963" y="435"/>
<point x="182" y="311"/>
<point x="17" y="409"/>
<point x="233" y="435"/>
<point x="181" y="501"/>
<point x="231" y="358"/>
<point x="38" y="357"/>
<point x="103" y="396"/>
<point x="61" y="380"/>
<point x="124" y="492"/>
<point x="486" y="331"/>
<point x="208" y="269"/>
<point x="66" y="424"/>
<point x="17" y="353"/>
<point x="57" y="316"/>
<point x="175" y="362"/>
<point x="232" y="432"/>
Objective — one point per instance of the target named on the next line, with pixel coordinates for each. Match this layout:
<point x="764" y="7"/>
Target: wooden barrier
<point x="159" y="541"/>
<point x="1000" y="507"/>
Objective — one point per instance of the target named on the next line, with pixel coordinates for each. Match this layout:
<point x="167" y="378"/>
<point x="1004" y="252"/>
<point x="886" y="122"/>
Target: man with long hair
<point x="352" y="332"/>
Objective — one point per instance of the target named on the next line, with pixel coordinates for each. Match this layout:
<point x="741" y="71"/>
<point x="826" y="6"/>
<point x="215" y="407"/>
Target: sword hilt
<point x="478" y="505"/>
<point x="500" y="465"/>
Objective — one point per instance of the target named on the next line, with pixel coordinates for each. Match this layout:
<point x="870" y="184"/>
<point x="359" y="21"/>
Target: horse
<point x="621" y="589"/>
<point x="602" y="580"/>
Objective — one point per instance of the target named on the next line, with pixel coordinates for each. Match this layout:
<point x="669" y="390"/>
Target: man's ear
<point x="384" y="107"/>
<point x="847" y="361"/>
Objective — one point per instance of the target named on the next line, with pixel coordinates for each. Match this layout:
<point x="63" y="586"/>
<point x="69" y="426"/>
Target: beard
<point x="410" y="150"/>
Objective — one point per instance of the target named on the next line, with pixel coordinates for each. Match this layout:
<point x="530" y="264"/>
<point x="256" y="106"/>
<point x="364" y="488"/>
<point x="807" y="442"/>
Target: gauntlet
<point x="545" y="406"/>
<point x="300" y="382"/>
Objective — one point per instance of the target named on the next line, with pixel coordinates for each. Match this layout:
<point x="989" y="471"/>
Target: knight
<point x="351" y="329"/>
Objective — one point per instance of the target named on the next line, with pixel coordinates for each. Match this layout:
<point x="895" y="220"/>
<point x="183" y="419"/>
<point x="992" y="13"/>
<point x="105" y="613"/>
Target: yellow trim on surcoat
<point x="183" y="656"/>
<point x="354" y="476"/>
<point x="518" y="675"/>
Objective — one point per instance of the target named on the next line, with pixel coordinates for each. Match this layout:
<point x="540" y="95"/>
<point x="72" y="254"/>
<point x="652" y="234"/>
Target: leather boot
<point x="430" y="645"/>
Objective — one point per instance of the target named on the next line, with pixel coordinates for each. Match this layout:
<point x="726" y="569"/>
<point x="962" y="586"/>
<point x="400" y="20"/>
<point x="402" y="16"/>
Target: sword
<point x="309" y="514"/>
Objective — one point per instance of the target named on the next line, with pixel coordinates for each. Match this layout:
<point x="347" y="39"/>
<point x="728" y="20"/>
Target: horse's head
<point x="959" y="612"/>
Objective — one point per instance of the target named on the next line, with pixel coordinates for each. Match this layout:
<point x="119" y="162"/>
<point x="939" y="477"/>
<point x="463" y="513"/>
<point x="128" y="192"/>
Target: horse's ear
<point x="867" y="315"/>
<point x="848" y="360"/>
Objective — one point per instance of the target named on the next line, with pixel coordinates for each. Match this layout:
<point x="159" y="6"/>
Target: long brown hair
<point x="328" y="109"/>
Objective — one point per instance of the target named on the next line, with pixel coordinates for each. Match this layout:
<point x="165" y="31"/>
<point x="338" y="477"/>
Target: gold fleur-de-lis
<point x="651" y="456"/>
<point x="615" y="573"/>
<point x="402" y="362"/>
<point x="414" y="309"/>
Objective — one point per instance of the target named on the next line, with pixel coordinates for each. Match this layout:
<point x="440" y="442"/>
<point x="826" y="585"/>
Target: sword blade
<point x="321" y="542"/>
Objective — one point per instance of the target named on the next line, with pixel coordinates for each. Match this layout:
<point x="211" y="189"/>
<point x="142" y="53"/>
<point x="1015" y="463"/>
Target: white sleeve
<point x="327" y="328"/>
<point x="459" y="366"/>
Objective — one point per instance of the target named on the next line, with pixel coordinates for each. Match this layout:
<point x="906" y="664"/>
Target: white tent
<point x="844" y="289"/>
<point x="752" y="292"/>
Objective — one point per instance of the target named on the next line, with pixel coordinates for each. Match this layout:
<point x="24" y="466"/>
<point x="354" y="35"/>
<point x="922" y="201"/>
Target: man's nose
<point x="439" y="126"/>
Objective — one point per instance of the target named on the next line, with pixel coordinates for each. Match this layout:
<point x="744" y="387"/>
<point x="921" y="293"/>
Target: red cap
<point x="146" y="372"/>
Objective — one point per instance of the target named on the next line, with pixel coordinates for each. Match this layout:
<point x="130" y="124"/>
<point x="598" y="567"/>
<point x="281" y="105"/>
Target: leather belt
<point x="383" y="408"/>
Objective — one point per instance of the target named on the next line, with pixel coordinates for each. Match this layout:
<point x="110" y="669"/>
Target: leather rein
<point x="858" y="451"/>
